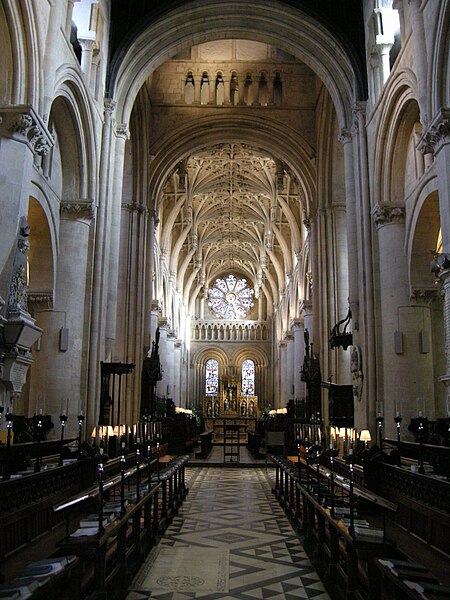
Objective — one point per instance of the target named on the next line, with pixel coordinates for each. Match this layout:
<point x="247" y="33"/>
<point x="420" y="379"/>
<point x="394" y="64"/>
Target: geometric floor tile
<point x="231" y="510"/>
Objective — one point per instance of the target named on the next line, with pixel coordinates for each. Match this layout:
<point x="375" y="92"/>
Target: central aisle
<point x="230" y="540"/>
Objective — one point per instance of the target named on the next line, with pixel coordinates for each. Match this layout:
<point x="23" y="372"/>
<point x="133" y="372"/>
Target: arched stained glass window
<point x="212" y="377"/>
<point x="231" y="298"/>
<point x="248" y="378"/>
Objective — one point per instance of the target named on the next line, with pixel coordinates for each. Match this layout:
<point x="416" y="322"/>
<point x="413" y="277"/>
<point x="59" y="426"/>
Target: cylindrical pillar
<point x="298" y="328"/>
<point x="397" y="320"/>
<point x="63" y="346"/>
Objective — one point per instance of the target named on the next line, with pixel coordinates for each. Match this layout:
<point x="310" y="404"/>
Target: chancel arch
<point x="339" y="70"/>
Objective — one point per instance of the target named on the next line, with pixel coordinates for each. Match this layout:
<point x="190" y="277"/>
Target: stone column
<point x="113" y="243"/>
<point x="420" y="57"/>
<point x="176" y="371"/>
<point x="364" y="411"/>
<point x="68" y="26"/>
<point x="88" y="46"/>
<point x="60" y="370"/>
<point x="298" y="328"/>
<point x="131" y="303"/>
<point x="352" y="247"/>
<point x="155" y="315"/>
<point x="290" y="356"/>
<point x="153" y="223"/>
<point x="306" y="310"/>
<point x="282" y="374"/>
<point x="396" y="315"/>
<point x="445" y="278"/>
<point x="100" y="273"/>
<point x="170" y="363"/>
<point x="314" y="278"/>
<point x="161" y="386"/>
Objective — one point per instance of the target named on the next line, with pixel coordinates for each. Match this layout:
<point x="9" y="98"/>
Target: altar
<point x="231" y="402"/>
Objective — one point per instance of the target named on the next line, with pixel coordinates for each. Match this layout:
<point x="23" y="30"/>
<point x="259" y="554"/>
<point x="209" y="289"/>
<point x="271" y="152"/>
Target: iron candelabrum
<point x="62" y="419"/>
<point x="380" y="421"/>
<point x="80" y="418"/>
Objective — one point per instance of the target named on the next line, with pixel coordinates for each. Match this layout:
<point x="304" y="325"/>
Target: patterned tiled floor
<point x="235" y="510"/>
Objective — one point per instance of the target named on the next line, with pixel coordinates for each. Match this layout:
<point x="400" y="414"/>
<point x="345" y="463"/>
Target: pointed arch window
<point x="212" y="377"/>
<point x="231" y="298"/>
<point x="248" y="378"/>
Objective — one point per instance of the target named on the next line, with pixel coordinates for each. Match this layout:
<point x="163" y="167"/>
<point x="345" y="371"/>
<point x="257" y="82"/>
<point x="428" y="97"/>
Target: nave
<point x="230" y="540"/>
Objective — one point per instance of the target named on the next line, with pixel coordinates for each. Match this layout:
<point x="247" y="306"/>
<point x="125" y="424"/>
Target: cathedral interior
<point x="225" y="278"/>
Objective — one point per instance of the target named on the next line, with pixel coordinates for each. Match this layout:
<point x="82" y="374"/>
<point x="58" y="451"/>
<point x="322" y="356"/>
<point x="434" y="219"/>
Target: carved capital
<point x="359" y="108"/>
<point x="78" y="210"/>
<point x="164" y="324"/>
<point x="122" y="131"/>
<point x="88" y="44"/>
<point x="437" y="134"/>
<point x="306" y="307"/>
<point x="384" y="214"/>
<point x="427" y="296"/>
<point x="134" y="207"/>
<point x="23" y="124"/>
<point x="109" y="105"/>
<point x="345" y="136"/>
<point x="156" y="307"/>
<point x="297" y="324"/>
<point x="440" y="266"/>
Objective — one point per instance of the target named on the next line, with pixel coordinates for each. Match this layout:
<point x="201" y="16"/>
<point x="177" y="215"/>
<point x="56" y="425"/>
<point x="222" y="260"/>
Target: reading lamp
<point x="365" y="437"/>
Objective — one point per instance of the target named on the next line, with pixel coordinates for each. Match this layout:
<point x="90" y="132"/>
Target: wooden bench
<point x="50" y="578"/>
<point x="348" y="559"/>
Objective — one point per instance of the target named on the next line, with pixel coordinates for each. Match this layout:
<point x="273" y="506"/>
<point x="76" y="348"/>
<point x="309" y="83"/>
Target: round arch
<point x="257" y="355"/>
<point x="41" y="256"/>
<point x="400" y="96"/>
<point x="202" y="355"/>
<point x="423" y="227"/>
<point x="200" y="21"/>
<point x="70" y="88"/>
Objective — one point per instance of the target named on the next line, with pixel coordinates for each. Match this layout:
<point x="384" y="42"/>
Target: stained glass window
<point x="231" y="298"/>
<point x="248" y="378"/>
<point x="212" y="377"/>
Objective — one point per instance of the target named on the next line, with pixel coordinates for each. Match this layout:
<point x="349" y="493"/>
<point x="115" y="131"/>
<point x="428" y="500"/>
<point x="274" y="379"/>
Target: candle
<point x="420" y="413"/>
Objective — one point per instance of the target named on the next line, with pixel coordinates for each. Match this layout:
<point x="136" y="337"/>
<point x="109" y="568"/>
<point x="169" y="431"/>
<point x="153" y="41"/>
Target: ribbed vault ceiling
<point x="237" y="211"/>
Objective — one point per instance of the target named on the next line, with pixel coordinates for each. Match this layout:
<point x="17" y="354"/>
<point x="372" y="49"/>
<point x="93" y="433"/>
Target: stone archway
<point x="200" y="21"/>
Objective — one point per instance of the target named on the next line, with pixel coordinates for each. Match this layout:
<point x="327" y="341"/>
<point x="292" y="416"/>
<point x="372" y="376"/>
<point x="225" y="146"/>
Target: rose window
<point x="231" y="298"/>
